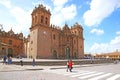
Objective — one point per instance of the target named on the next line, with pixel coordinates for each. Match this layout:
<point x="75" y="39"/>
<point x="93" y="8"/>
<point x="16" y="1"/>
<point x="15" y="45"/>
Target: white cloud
<point x="6" y="3"/>
<point x="62" y="13"/>
<point x="59" y="2"/>
<point x="57" y="19"/>
<point x="99" y="10"/>
<point x="69" y="12"/>
<point x="65" y="14"/>
<point x="113" y="45"/>
<point x="97" y="31"/>
<point x="22" y="18"/>
<point x="116" y="40"/>
<point x="99" y="48"/>
<point x="41" y="2"/>
<point x="118" y="32"/>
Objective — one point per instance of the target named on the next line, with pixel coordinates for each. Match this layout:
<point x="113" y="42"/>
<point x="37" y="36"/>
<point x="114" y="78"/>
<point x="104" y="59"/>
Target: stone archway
<point x="54" y="54"/>
<point x="10" y="52"/>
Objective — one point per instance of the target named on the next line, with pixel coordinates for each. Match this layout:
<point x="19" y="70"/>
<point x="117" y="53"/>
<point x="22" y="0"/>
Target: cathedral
<point x="45" y="41"/>
<point x="51" y="42"/>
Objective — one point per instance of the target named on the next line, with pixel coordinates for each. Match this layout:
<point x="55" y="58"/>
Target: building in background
<point x="11" y="44"/>
<point x="111" y="55"/>
<point x="49" y="41"/>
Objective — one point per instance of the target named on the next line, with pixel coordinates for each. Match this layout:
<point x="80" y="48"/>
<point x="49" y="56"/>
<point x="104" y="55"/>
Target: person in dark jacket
<point x="4" y="59"/>
<point x="33" y="63"/>
<point x="21" y="61"/>
<point x="67" y="65"/>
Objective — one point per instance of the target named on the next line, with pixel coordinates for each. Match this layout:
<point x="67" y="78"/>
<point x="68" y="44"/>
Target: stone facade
<point x="11" y="44"/>
<point x="49" y="41"/>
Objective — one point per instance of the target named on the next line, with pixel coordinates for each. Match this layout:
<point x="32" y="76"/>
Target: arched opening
<point x="67" y="53"/>
<point x="42" y="18"/>
<point x="46" y="20"/>
<point x="10" y="52"/>
<point x="54" y="54"/>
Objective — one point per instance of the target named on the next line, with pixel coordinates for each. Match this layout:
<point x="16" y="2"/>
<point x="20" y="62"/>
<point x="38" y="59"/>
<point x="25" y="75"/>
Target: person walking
<point x="21" y="61"/>
<point x="9" y="60"/>
<point x="70" y="65"/>
<point x="67" y="65"/>
<point x="33" y="63"/>
<point x="4" y="59"/>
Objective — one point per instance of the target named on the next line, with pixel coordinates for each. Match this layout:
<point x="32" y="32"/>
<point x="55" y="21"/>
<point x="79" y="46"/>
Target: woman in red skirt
<point x="70" y="65"/>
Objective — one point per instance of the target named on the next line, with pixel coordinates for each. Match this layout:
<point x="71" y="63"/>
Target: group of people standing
<point x="7" y="60"/>
<point x="69" y="65"/>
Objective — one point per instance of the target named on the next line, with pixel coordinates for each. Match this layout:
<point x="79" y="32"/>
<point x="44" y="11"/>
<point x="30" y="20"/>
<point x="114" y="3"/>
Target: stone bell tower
<point x="40" y="17"/>
<point x="39" y="30"/>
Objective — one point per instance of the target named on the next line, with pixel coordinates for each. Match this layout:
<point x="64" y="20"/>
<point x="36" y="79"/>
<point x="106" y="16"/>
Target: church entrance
<point x="67" y="53"/>
<point x="54" y="54"/>
<point x="10" y="52"/>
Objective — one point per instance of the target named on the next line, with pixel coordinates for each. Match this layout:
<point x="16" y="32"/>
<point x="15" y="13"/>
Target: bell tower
<point x="40" y="32"/>
<point x="40" y="17"/>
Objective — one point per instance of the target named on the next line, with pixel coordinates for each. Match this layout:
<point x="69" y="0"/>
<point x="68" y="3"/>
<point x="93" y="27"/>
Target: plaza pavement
<point x="29" y="72"/>
<point x="13" y="67"/>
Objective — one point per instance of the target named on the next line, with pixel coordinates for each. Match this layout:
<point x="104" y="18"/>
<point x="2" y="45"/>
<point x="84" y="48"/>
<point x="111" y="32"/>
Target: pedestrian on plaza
<point x="21" y="61"/>
<point x="10" y="60"/>
<point x="33" y="63"/>
<point x="67" y="65"/>
<point x="70" y="65"/>
<point x="4" y="59"/>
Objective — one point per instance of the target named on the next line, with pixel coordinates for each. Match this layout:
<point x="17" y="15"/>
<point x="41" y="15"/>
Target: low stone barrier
<point x="64" y="62"/>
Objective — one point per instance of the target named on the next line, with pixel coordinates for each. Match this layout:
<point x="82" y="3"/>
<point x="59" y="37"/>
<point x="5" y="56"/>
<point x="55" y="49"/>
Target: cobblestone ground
<point x="17" y="72"/>
<point x="83" y="72"/>
<point x="31" y="75"/>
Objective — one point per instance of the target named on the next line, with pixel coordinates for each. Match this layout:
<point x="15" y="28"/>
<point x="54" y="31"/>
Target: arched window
<point x="42" y="18"/>
<point x="46" y="20"/>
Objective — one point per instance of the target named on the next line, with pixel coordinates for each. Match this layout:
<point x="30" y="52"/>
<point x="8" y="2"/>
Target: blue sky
<point x="100" y="19"/>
